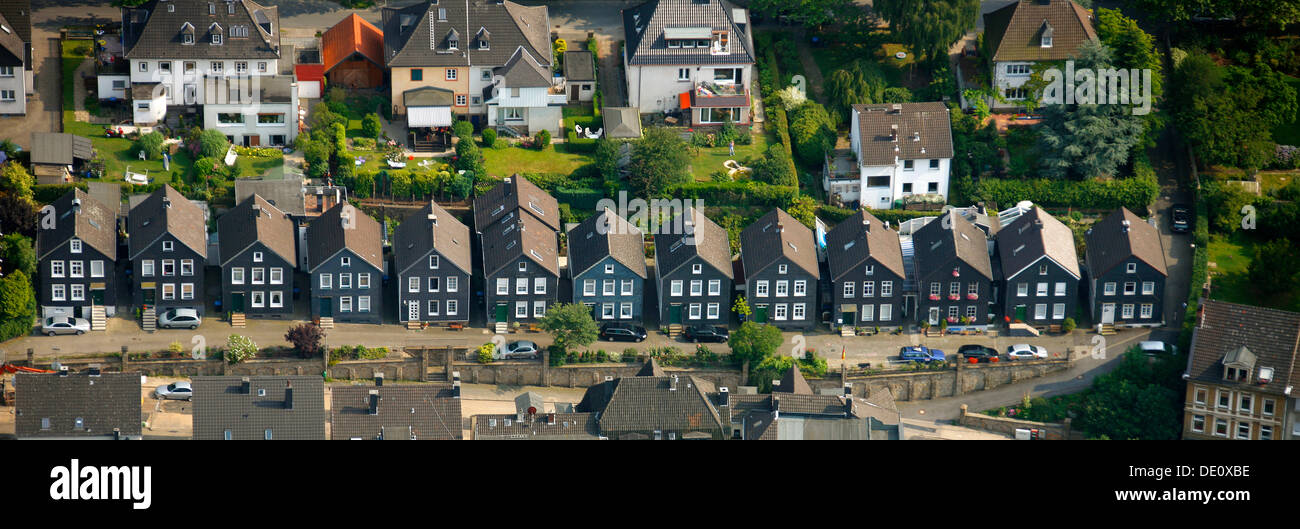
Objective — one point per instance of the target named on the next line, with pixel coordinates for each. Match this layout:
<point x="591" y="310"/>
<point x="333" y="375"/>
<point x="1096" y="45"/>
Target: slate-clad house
<point x="792" y="411"/>
<point x="781" y="272"/>
<point x="432" y="263"/>
<point x="262" y="407"/>
<point x="1126" y="271"/>
<point x="1040" y="269"/>
<point x="86" y="405"/>
<point x="954" y="274"/>
<point x="77" y="258"/>
<point x="258" y="258"/>
<point x="167" y="239"/>
<point x="345" y="257"/>
<point x="406" y="412"/>
<point x="865" y="260"/>
<point x="517" y="225"/>
<point x="693" y="273"/>
<point x="607" y="265"/>
<point x="655" y="405"/>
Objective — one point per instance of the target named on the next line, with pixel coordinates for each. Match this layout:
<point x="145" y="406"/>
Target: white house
<point x="15" y="56"/>
<point x="691" y="55"/>
<point x="1028" y="32"/>
<point x="523" y="96"/>
<point x="902" y="150"/>
<point x="256" y="111"/>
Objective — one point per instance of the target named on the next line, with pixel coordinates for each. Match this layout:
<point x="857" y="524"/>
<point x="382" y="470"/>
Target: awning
<point x="685" y="99"/>
<point x="428" y="116"/>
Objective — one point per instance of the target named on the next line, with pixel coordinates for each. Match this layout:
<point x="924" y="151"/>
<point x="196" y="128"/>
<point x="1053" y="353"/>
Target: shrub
<point x="489" y="137"/>
<point x="362" y="184"/>
<point x="364" y="144"/>
<point x="240" y="348"/>
<point x="543" y="139"/>
<point x="307" y="339"/>
<point x="213" y="143"/>
<point x="175" y="347"/>
<point x="484" y="352"/>
<point x="812" y="131"/>
<point x="462" y="129"/>
<point x="151" y="144"/>
<point x="1068" y="325"/>
<point x="370" y="126"/>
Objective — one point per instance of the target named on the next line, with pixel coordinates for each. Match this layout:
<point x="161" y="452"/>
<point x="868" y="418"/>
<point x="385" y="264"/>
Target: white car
<point x="1158" y="348"/>
<point x="521" y="349"/>
<point x="175" y="391"/>
<point x="64" y="325"/>
<point x="1024" y="351"/>
<point x="179" y="318"/>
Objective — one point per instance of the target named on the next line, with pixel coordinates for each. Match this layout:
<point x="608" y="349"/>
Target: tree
<point x="741" y="307"/>
<point x="240" y="348"/>
<point x="10" y="148"/>
<point x="659" y="160"/>
<point x="570" y="324"/>
<point x="607" y="157"/>
<point x="1273" y="14"/>
<point x="753" y="342"/>
<point x="1226" y="113"/>
<point x="858" y="83"/>
<point x="809" y="13"/>
<point x="371" y="126"/>
<point x="307" y="339"/>
<point x="17" y="214"/>
<point x="929" y="27"/>
<point x="213" y="143"/>
<point x="151" y="144"/>
<point x="400" y="184"/>
<point x="15" y="179"/>
<point x="18" y="254"/>
<point x="1132" y="47"/>
<point x="1088" y="141"/>
<point x="322" y="118"/>
<point x="775" y="168"/>
<point x="1274" y="269"/>
<point x="804" y="208"/>
<point x="16" y="297"/>
<point x="362" y="184"/>
<point x="463" y="129"/>
<point x="813" y="132"/>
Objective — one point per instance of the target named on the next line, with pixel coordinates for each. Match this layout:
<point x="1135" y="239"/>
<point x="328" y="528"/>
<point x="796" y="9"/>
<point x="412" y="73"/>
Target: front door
<point x="413" y="311"/>
<point x="237" y="302"/>
<point x="934" y="315"/>
<point x="97" y="296"/>
<point x="1108" y="313"/>
<point x="674" y="314"/>
<point x="850" y="317"/>
<point x="327" y="307"/>
<point x="1021" y="312"/>
<point x="502" y="314"/>
<point x="760" y="314"/>
<point x="573" y="92"/>
<point x="254" y="140"/>
<point x="148" y="296"/>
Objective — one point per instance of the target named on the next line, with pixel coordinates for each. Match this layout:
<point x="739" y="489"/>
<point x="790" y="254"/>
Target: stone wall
<point x="951" y="382"/>
<point x="573" y="376"/>
<point x="1008" y="426"/>
<point x="393" y="368"/>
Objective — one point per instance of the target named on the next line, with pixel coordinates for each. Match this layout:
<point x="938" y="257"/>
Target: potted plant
<point x="972" y="296"/>
<point x="934" y="297"/>
<point x="953" y="297"/>
<point x="925" y="325"/>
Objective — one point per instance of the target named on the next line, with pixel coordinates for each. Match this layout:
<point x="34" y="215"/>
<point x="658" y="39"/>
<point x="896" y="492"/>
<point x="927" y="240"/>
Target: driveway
<point x="1171" y="165"/>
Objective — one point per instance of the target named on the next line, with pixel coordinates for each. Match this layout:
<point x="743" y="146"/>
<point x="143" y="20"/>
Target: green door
<point x="327" y="307"/>
<point x="148" y="296"/>
<point x="97" y="297"/>
<point x="502" y="313"/>
<point x="1021" y="312"/>
<point x="850" y="318"/>
<point x="760" y="314"/>
<point x="674" y="314"/>
<point x="237" y="302"/>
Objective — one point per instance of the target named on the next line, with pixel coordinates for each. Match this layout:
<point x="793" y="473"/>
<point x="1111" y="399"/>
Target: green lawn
<point x="74" y="53"/>
<point x="505" y="162"/>
<point x="1232" y="256"/>
<point x="709" y="159"/>
<point x="1269" y="181"/>
<point x="876" y="48"/>
<point x="1289" y="133"/>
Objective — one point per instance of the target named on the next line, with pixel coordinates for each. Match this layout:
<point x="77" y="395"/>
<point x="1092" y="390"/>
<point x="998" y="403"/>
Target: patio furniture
<point x="597" y="134"/>
<point x="396" y="165"/>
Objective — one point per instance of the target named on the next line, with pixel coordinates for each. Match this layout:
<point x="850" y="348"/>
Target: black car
<point x="707" y="333"/>
<point x="619" y="332"/>
<point x="1180" y="218"/>
<point x="978" y="353"/>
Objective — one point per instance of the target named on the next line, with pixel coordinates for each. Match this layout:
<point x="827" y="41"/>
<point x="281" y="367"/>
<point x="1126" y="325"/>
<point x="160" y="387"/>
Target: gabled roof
<point x="418" y="234"/>
<point x="579" y="65"/>
<point x="255" y="220"/>
<point x="651" y="369"/>
<point x="793" y="382"/>
<point x="647" y="24"/>
<point x="166" y="211"/>
<point x="102" y="403"/>
<point x="57" y="148"/>
<point x="939" y="247"/>
<point x="1030" y="237"/>
<point x="286" y="195"/>
<point x="551" y="426"/>
<point x="344" y="226"/>
<point x="924" y="131"/>
<point x="645" y="403"/>
<point x="622" y="122"/>
<point x="416" y="36"/>
<point x="151" y="31"/>
<point x="520" y="236"/>
<point x="15" y="32"/>
<point x="1236" y="334"/>
<point x="850" y="244"/>
<point x="774" y="235"/>
<point x="1111" y="242"/>
<point x="221" y="404"/>
<point x="674" y="247"/>
<point x="405" y="412"/>
<point x="352" y="35"/>
<point x="1015" y="32"/>
<point x="606" y="235"/>
<point x="515" y="193"/>
<point x="523" y="71"/>
<point x="95" y="225"/>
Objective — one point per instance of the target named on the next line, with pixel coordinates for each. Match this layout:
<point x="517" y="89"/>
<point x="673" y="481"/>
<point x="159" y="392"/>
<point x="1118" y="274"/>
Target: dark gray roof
<point x="550" y="426"/>
<point x="220" y="404"/>
<point x="152" y="32"/>
<point x="774" y="235"/>
<point x="95" y="225"/>
<point x="254" y="220"/>
<point x="104" y="402"/>
<point x="938" y="247"/>
<point x="153" y="217"/>
<point x="927" y="121"/>
<point x="793" y="382"/>
<point x="579" y="65"/>
<point x="1271" y="336"/>
<point x="410" y="39"/>
<point x="1110" y="243"/>
<point x="418" y="234"/>
<point x="1033" y="235"/>
<point x="330" y="233"/>
<point x="673" y="247"/>
<point x="645" y="26"/>
<point x="16" y="15"/>
<point x="606" y="235"/>
<point x="651" y="369"/>
<point x="520" y="236"/>
<point x="861" y="237"/>
<point x="404" y="412"/>
<point x="622" y="122"/>
<point x="56" y="148"/>
<point x="523" y="71"/>
<point x="286" y="195"/>
<point x="650" y="403"/>
<point x="515" y="193"/>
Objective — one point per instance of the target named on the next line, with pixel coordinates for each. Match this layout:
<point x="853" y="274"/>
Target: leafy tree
<point x="897" y="94"/>
<point x="607" y="156"/>
<point x="322" y="118"/>
<point x="1088" y="141"/>
<point x="741" y="307"/>
<point x="1226" y="113"/>
<point x="213" y="143"/>
<point x="16" y="297"/>
<point x="240" y="348"/>
<point x="809" y="13"/>
<point x="929" y="27"/>
<point x="1274" y="268"/>
<point x="858" y="83"/>
<point x="1132" y="47"/>
<point x="1273" y="14"/>
<point x="307" y="339"/>
<point x="18" y="254"/>
<point x="151" y="144"/>
<point x="10" y="148"/>
<point x="15" y="179"/>
<point x="362" y="184"/>
<point x="1224" y="202"/>
<point x="460" y="185"/>
<point x="400" y="184"/>
<point x="775" y="168"/>
<point x="17" y="214"/>
<point x="463" y="129"/>
<point x="813" y="132"/>
<point x="804" y="208"/>
<point x="570" y="324"/>
<point x="753" y="342"/>
<point x="371" y="126"/>
<point x="659" y="159"/>
<point x="775" y="367"/>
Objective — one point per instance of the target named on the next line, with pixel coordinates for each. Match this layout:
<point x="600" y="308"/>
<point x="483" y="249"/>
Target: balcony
<point x="710" y="94"/>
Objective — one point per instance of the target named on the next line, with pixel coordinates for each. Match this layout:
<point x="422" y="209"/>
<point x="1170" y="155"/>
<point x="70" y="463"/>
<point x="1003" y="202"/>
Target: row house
<point x="518" y="227"/>
<point x="1126" y="271"/>
<point x="694" y="276"/>
<point x="345" y="258"/>
<point x="779" y="260"/>
<point x="258" y="260"/>
<point x="607" y="266"/>
<point x="1040" y="269"/>
<point x="954" y="273"/>
<point x="167" y="241"/>
<point x="16" y="80"/>
<point x="433" y="264"/>
<point x="1028" y="33"/>
<point x="865" y="260"/>
<point x="76" y="249"/>
<point x="898" y="152"/>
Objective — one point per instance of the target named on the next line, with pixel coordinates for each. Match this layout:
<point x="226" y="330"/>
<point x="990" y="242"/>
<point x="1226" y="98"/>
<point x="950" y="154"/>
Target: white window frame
<point x="258" y="299"/>
<point x="589" y="287"/>
<point x="539" y="285"/>
<point x="326" y="281"/>
<point x="760" y="289"/>
<point x="715" y="287"/>
<point x="675" y="287"/>
<point x="345" y="304"/>
<point x="97" y="268"/>
<point x="237" y="275"/>
<point x="277" y="298"/>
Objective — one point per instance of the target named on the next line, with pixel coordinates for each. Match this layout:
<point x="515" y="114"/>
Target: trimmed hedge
<point x="746" y="192"/>
<point x="47" y="193"/>
<point x="1136" y="192"/>
<point x="579" y="198"/>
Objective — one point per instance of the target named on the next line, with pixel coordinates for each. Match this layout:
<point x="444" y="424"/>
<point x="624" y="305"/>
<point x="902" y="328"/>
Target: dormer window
<point x="187" y="38"/>
<point x="1046" y="41"/>
<point x="230" y="8"/>
<point x="171" y="8"/>
<point x="721" y="43"/>
<point x="212" y="8"/>
<point x="1238" y="364"/>
<point x="216" y="39"/>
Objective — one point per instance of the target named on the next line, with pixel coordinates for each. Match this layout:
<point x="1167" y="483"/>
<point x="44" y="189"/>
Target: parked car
<point x="707" y="333"/>
<point x="1158" y="348"/>
<point x="921" y="354"/>
<point x="175" y="391"/>
<point x="620" y="332"/>
<point x="978" y="353"/>
<point x="64" y="325"/>
<point x="179" y="319"/>
<point x="1024" y="351"/>
<point x="521" y="349"/>
<point x="1180" y="218"/>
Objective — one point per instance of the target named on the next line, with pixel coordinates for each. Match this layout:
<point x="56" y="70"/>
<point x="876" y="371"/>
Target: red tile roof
<point x="309" y="72"/>
<point x="352" y="35"/>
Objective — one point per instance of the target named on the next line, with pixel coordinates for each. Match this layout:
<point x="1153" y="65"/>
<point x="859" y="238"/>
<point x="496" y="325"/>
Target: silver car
<point x="64" y="325"/>
<point x="1023" y="351"/>
<point x="179" y="318"/>
<point x="521" y="349"/>
<point x="175" y="391"/>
